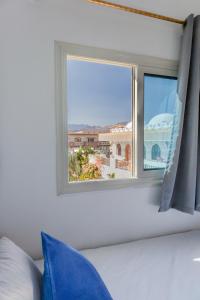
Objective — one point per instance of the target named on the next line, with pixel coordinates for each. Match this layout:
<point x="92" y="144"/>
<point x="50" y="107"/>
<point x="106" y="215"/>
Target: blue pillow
<point x="68" y="275"/>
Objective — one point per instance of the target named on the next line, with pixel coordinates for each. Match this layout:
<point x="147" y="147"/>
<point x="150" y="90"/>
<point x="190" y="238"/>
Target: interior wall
<point x="28" y="201"/>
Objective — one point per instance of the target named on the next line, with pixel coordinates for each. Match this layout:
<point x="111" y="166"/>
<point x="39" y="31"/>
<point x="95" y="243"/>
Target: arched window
<point x="119" y="150"/>
<point x="128" y="152"/>
<point x="155" y="152"/>
<point x="145" y="152"/>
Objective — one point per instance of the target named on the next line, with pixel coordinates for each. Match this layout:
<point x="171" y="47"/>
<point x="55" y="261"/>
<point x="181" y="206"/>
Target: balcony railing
<point x="154" y="164"/>
<point x="95" y="145"/>
<point x="101" y="160"/>
<point x="123" y="164"/>
<point x="105" y="161"/>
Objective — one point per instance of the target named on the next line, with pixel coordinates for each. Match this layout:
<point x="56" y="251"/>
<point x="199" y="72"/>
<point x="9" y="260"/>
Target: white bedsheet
<point x="163" y="268"/>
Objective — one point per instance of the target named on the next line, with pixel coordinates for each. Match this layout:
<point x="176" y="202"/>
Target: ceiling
<point x="174" y="8"/>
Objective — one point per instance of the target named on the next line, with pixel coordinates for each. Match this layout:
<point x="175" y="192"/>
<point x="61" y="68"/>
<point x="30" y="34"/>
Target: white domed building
<point x="161" y="120"/>
<point x="157" y="135"/>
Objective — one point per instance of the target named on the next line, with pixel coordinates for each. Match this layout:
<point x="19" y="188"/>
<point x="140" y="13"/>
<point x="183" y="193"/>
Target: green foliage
<point x="90" y="171"/>
<point x="83" y="155"/>
<point x="111" y="175"/>
<point x="79" y="166"/>
<point x="74" y="167"/>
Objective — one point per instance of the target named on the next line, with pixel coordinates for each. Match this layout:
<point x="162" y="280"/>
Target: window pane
<point x="159" y="112"/>
<point x="99" y="129"/>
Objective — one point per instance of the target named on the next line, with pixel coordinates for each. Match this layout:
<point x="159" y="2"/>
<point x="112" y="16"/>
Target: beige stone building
<point x="157" y="135"/>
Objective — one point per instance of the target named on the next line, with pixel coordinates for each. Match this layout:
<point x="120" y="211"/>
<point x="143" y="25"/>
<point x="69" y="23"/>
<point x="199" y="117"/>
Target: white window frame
<point x="142" y="65"/>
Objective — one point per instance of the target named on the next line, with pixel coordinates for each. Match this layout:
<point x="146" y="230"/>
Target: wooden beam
<point x="136" y="11"/>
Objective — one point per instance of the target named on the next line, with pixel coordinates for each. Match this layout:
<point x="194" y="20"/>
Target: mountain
<point x="92" y="128"/>
<point x="82" y="127"/>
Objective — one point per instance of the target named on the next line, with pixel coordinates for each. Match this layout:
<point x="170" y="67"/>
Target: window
<point x="99" y="101"/>
<point x="156" y="153"/>
<point x="91" y="140"/>
<point x="114" y="111"/>
<point x="77" y="139"/>
<point x="119" y="150"/>
<point x="159" y="113"/>
<point x="128" y="152"/>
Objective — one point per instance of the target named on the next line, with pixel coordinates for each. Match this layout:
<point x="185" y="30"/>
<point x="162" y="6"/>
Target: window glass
<point x="99" y="111"/>
<point x="159" y="113"/>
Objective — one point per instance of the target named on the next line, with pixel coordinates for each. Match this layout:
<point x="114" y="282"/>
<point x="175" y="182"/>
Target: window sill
<point x="101" y="185"/>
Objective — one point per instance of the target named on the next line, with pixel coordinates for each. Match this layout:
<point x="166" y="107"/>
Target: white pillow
<point x="20" y="279"/>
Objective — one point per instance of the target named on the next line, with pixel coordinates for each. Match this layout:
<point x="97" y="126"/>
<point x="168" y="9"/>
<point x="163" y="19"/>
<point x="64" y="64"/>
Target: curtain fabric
<point x="181" y="186"/>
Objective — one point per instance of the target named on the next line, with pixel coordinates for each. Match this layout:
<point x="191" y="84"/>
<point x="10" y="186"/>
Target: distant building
<point x="114" y="147"/>
<point x="157" y="135"/>
<point x="87" y="139"/>
<point x="120" y="138"/>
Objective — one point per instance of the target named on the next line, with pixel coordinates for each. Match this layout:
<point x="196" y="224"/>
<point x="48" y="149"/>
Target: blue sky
<point x="100" y="94"/>
<point x="159" y="96"/>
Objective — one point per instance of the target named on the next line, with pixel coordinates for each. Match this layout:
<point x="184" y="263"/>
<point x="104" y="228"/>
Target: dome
<point x="160" y="121"/>
<point x="129" y="125"/>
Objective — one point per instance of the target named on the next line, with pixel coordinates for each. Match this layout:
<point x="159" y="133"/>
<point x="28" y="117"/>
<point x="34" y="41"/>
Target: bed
<point x="162" y="268"/>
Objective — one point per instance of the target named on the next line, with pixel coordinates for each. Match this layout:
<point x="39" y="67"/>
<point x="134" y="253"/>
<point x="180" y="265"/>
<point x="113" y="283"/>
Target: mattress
<point x="162" y="268"/>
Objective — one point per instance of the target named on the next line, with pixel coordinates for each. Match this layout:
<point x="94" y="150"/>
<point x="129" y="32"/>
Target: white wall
<point x="28" y="201"/>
